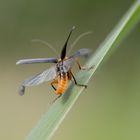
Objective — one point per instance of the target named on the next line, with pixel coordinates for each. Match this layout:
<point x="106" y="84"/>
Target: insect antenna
<point x="47" y="44"/>
<point x="63" y="52"/>
<point x="77" y="39"/>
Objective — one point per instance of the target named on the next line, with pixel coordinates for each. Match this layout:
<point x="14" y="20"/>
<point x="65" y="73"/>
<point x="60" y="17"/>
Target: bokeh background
<point x="109" y="109"/>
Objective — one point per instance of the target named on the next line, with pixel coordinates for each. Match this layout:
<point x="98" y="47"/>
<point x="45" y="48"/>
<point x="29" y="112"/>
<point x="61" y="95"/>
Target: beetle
<point x="59" y="74"/>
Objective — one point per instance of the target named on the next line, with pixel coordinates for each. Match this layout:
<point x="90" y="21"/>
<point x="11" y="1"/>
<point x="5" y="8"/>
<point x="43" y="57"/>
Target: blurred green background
<point x="109" y="109"/>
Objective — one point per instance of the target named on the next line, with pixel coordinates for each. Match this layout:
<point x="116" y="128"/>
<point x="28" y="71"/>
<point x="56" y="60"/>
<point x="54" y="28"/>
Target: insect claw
<point x="85" y="86"/>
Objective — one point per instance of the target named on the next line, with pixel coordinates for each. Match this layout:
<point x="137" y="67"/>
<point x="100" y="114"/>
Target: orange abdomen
<point x="62" y="84"/>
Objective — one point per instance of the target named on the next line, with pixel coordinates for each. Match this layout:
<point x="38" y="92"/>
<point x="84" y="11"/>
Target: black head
<point x="63" y="52"/>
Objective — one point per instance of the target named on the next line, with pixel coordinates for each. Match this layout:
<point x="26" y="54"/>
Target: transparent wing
<point x="82" y="52"/>
<point x="68" y="63"/>
<point x="47" y="75"/>
<point x="37" y="60"/>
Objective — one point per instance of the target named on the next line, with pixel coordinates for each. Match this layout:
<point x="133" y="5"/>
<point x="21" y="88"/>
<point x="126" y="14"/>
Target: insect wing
<point x="37" y="60"/>
<point x="82" y="52"/>
<point x="68" y="63"/>
<point x="47" y="75"/>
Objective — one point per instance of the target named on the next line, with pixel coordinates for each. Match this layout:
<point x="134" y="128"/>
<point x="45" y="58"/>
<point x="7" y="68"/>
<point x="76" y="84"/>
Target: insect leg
<point x="54" y="82"/>
<point x="81" y="85"/>
<point x="56" y="98"/>
<point x="83" y="68"/>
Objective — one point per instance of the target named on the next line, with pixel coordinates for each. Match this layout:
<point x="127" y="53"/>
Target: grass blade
<point x="51" y="120"/>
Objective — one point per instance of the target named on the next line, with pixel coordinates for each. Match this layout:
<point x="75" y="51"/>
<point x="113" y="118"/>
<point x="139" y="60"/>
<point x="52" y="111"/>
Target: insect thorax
<point x="61" y="68"/>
